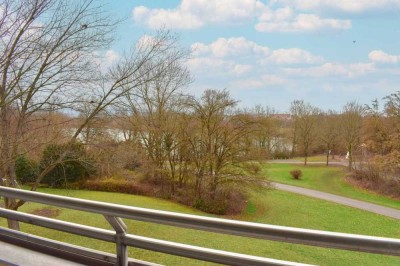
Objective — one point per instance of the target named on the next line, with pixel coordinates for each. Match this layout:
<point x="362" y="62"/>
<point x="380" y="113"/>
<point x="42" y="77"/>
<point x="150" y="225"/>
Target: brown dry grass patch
<point x="46" y="212"/>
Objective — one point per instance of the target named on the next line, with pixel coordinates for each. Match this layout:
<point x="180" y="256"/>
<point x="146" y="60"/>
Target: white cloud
<point x="242" y="68"/>
<point x="223" y="47"/>
<point x="140" y="13"/>
<point x="157" y="18"/>
<point x="111" y="56"/>
<point x="211" y="66"/>
<point x="280" y="14"/>
<point x="293" y="56"/>
<point x="202" y="64"/>
<point x="348" y="6"/>
<point x="301" y="23"/>
<point x="105" y="59"/>
<point x="242" y="63"/>
<point x="380" y="56"/>
<point x="199" y="49"/>
<point x="239" y="63"/>
<point x="257" y="82"/>
<point x="192" y="14"/>
<point x="226" y="58"/>
<point x="333" y="69"/>
<point x="242" y="49"/>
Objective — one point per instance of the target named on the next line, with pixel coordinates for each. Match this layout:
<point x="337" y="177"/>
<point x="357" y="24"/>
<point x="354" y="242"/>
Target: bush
<point x="228" y="201"/>
<point x="26" y="169"/>
<point x="381" y="174"/>
<point x="252" y="168"/>
<point x="372" y="180"/>
<point x="72" y="164"/>
<point x="281" y="154"/>
<point x="296" y="173"/>
<point x="115" y="185"/>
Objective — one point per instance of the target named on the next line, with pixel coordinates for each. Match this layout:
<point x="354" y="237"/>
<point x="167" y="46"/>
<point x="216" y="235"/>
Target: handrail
<point x="60" y="249"/>
<point x="363" y="243"/>
<point x="169" y="247"/>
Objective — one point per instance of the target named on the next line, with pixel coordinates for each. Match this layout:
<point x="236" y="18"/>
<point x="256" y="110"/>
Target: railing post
<point x="120" y="229"/>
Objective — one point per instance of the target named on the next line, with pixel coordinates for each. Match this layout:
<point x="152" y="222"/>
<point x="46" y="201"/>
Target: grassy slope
<point x="327" y="179"/>
<point x="274" y="207"/>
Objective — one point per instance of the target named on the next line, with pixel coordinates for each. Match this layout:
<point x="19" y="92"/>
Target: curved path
<point x="393" y="213"/>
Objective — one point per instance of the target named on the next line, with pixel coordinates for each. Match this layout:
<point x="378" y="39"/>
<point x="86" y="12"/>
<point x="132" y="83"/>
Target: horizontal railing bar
<point x="363" y="243"/>
<point x="52" y="247"/>
<point x="168" y="247"/>
<point x="78" y="229"/>
<point x="64" y="250"/>
<point x="200" y="253"/>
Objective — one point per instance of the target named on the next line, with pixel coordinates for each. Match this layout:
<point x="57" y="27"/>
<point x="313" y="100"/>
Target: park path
<point x="289" y="161"/>
<point x="386" y="211"/>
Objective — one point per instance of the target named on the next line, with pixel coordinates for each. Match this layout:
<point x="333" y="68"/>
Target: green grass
<point x="327" y="179"/>
<point x="316" y="158"/>
<point x="264" y="206"/>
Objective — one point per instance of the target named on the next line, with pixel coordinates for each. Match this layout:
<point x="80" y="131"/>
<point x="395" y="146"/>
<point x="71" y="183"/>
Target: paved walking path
<point x="290" y="161"/>
<point x="390" y="212"/>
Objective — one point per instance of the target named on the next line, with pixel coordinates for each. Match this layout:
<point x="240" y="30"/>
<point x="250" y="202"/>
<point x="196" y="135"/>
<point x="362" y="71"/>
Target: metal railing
<point x="113" y="214"/>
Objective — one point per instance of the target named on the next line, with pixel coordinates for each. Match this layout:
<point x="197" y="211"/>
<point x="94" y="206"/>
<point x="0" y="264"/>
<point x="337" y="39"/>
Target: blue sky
<point x="327" y="52"/>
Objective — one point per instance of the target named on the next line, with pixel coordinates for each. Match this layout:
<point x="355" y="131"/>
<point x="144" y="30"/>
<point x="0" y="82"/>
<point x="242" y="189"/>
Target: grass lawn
<point x="328" y="179"/>
<point x="264" y="206"/>
<point x="316" y="158"/>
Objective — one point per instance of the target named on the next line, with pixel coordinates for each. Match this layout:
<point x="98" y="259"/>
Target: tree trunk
<point x="350" y="160"/>
<point x="12" y="203"/>
<point x="305" y="158"/>
<point x="12" y="224"/>
<point x="327" y="158"/>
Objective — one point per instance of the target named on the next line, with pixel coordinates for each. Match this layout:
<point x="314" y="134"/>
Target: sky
<point x="269" y="53"/>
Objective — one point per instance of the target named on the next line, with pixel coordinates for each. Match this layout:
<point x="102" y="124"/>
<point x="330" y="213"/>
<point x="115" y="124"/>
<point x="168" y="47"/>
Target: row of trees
<point x="358" y="130"/>
<point x="200" y="143"/>
<point x="331" y="130"/>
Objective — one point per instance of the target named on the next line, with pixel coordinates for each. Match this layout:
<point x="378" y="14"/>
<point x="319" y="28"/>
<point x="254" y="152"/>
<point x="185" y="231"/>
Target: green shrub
<point x="72" y="164"/>
<point x="296" y="173"/>
<point x="26" y="169"/>
<point x="201" y="204"/>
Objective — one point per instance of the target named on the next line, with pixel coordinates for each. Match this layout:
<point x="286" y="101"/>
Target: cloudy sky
<point x="327" y="52"/>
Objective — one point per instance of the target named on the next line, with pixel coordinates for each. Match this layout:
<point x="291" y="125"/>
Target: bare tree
<point x="376" y="133"/>
<point x="265" y="129"/>
<point x="45" y="51"/>
<point x="215" y="136"/>
<point x="305" y="118"/>
<point x="154" y="106"/>
<point x="392" y="111"/>
<point x="329" y="131"/>
<point x="351" y="124"/>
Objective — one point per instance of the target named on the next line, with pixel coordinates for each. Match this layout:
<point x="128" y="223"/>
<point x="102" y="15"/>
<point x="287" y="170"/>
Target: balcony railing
<point x="113" y="214"/>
